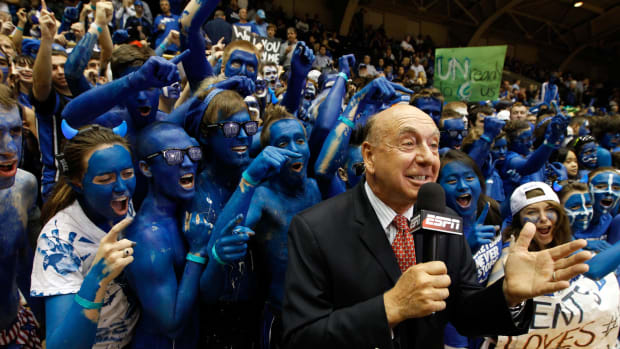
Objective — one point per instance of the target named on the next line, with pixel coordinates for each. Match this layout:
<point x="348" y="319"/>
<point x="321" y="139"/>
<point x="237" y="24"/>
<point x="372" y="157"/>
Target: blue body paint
<point x="610" y="140"/>
<point x="431" y="106"/>
<point x="232" y="152"/>
<point x="605" y="190"/>
<point x="19" y="215"/>
<point x="353" y="161"/>
<point x="276" y="202"/>
<point x="498" y="152"/>
<point x="587" y="156"/>
<point x="107" y="186"/>
<point x="76" y="63"/>
<point x="462" y="189"/>
<point x="578" y="208"/>
<point x="165" y="282"/>
<point x="242" y="63"/>
<point x="452" y="133"/>
<point x="522" y="144"/>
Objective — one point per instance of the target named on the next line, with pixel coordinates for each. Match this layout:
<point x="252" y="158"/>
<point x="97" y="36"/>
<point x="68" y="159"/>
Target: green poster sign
<point x="469" y="73"/>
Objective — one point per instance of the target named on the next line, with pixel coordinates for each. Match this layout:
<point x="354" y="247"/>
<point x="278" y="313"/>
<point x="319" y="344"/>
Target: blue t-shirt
<point x="172" y="23"/>
<point x="51" y="139"/>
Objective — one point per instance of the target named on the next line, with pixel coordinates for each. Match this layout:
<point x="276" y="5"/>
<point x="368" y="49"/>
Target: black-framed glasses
<point x="232" y="128"/>
<point x="359" y="168"/>
<point x="175" y="156"/>
<point x="456" y="133"/>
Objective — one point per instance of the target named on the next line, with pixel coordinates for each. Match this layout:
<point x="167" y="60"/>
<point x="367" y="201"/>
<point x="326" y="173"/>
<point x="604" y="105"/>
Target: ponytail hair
<point x="73" y="163"/>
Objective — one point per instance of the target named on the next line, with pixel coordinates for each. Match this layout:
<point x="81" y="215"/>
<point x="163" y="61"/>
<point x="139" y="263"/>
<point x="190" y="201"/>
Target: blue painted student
<point x="20" y="220"/>
<point x="273" y="205"/>
<point x="79" y="252"/>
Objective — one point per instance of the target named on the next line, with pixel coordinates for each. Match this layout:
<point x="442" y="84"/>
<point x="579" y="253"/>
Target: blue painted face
<point x="355" y="164"/>
<point x="605" y="189"/>
<point x="242" y="63"/>
<point x="498" y="151"/>
<point x="462" y="188"/>
<point x="522" y="144"/>
<point x="142" y="105"/>
<point x="173" y="181"/>
<point x="610" y="140"/>
<point x="431" y="106"/>
<point x="231" y="152"/>
<point x="453" y="133"/>
<point x="289" y="134"/>
<point x="109" y="182"/>
<point x="578" y="208"/>
<point x="10" y="145"/>
<point x="587" y="156"/>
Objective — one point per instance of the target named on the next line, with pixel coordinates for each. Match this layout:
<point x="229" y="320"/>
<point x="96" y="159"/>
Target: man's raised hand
<point x="155" y="72"/>
<point x="533" y="273"/>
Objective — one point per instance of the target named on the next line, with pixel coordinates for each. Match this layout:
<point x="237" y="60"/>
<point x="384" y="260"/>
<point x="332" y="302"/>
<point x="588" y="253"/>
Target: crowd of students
<point x="148" y="199"/>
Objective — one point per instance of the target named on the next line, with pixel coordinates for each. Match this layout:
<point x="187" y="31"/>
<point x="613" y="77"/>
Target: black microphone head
<point x="431" y="197"/>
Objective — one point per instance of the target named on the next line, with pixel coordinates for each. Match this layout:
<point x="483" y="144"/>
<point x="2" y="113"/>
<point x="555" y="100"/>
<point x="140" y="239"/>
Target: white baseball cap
<point x="522" y="197"/>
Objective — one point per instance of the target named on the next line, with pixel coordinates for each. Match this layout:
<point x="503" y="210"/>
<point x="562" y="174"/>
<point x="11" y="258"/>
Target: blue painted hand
<point x="240" y="83"/>
<point x="114" y="254"/>
<point x="155" y="72"/>
<point x="231" y="243"/>
<point x="345" y="63"/>
<point x="302" y="59"/>
<point x="197" y="231"/>
<point x="269" y="162"/>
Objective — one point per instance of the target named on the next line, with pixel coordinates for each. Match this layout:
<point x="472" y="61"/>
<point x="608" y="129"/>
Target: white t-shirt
<point x="65" y="251"/>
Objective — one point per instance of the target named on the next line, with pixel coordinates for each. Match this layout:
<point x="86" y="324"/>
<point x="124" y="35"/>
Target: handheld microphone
<point x="430" y="219"/>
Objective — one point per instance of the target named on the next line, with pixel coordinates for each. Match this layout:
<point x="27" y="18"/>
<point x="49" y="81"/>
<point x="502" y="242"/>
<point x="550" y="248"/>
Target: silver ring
<point x="553" y="276"/>
<point x="127" y="253"/>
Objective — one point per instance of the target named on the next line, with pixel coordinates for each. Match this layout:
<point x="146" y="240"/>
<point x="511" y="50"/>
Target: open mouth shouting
<point x="187" y="181"/>
<point x="297" y="166"/>
<point x="8" y="168"/>
<point x="145" y="111"/>
<point x="240" y="149"/>
<point x="607" y="202"/>
<point x="464" y="200"/>
<point x="544" y="232"/>
<point x="120" y="205"/>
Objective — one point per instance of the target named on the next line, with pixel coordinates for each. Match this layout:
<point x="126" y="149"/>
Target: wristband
<point x="92" y="7"/>
<point x="196" y="259"/>
<point x="245" y="175"/>
<point x="486" y="139"/>
<point x="86" y="304"/>
<point x="344" y="76"/>
<point x="19" y="28"/>
<point x="346" y="121"/>
<point x="99" y="29"/>
<point x="550" y="145"/>
<point x="216" y="257"/>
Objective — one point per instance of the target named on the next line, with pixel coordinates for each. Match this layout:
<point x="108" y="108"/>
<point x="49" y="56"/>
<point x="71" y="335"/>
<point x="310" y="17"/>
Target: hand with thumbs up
<point x="482" y="234"/>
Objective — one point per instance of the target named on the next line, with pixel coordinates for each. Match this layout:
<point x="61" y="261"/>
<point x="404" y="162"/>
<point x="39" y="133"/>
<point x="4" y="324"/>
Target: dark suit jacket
<point x="341" y="263"/>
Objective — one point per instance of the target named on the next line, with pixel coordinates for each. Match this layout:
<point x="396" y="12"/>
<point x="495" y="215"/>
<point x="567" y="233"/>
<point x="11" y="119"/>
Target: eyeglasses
<point x="232" y="128"/>
<point x="456" y="133"/>
<point x="359" y="168"/>
<point x="175" y="156"/>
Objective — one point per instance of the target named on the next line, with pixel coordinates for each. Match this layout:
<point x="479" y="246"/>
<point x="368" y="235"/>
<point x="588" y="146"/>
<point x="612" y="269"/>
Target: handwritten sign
<point x="469" y="73"/>
<point x="271" y="47"/>
<point x="585" y="315"/>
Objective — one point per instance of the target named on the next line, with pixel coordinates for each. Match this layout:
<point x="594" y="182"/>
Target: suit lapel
<point x="373" y="235"/>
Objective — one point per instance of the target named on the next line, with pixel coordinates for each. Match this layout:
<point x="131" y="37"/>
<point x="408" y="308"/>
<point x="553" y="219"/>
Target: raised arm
<point x="72" y="325"/>
<point x="479" y="151"/>
<point x="301" y="64"/>
<point x="155" y="73"/>
<point x="330" y="108"/>
<point x="42" y="70"/>
<point x="196" y="65"/>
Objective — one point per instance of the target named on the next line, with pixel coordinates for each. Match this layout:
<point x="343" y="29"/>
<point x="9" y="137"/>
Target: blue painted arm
<point x="604" y="263"/>
<point x="479" y="151"/>
<point x="328" y="114"/>
<point x="77" y="61"/>
<point x="196" y="66"/>
<point x="301" y="63"/>
<point x="166" y="303"/>
<point x="68" y="324"/>
<point x="613" y="233"/>
<point x="156" y="72"/>
<point x="531" y="163"/>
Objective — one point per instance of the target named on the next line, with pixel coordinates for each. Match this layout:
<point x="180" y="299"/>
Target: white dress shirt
<point x="385" y="213"/>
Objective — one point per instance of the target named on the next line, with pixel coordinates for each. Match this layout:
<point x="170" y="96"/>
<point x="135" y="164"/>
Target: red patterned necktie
<point x="403" y="245"/>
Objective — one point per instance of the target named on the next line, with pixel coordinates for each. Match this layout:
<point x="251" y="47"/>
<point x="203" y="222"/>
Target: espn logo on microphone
<point x="437" y="222"/>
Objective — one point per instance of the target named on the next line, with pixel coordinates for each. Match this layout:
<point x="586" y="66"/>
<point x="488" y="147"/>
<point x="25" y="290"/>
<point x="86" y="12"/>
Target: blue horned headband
<point x="70" y="132"/>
